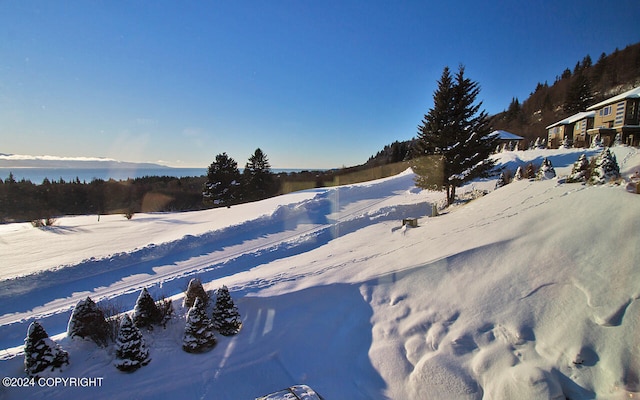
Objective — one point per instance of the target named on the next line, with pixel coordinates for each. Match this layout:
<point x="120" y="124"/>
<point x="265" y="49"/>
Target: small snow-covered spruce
<point x="519" y="174"/>
<point x="41" y="354"/>
<point x="131" y="350"/>
<point x="618" y="139"/>
<point x="546" y="171"/>
<point x="530" y="171"/>
<point x="596" y="143"/>
<point x="540" y="143"/>
<point x="199" y="335"/>
<point x="226" y="318"/>
<point x="579" y="171"/>
<point x="146" y="313"/>
<point x="88" y="321"/>
<point x="501" y="181"/>
<point x="606" y="168"/>
<point x="195" y="290"/>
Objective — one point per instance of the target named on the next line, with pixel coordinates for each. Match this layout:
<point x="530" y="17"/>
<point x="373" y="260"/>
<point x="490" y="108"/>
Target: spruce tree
<point x="519" y="174"/>
<point x="223" y="182"/>
<point x="146" y="313"/>
<point x="579" y="170"/>
<point x="258" y="181"/>
<point x="530" y="171"/>
<point x="195" y="290"/>
<point x="596" y="143"/>
<point x="455" y="137"/>
<point x="606" y="168"/>
<point x="546" y="170"/>
<point x="88" y="321"/>
<point x="199" y="333"/>
<point x="131" y="350"/>
<point x="579" y="95"/>
<point x="41" y="353"/>
<point x="226" y="318"/>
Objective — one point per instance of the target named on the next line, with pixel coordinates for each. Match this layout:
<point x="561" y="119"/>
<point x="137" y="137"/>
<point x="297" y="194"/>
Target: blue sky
<point x="314" y="84"/>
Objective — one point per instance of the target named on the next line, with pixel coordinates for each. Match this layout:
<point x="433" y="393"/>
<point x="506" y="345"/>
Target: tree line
<point x="224" y="185"/>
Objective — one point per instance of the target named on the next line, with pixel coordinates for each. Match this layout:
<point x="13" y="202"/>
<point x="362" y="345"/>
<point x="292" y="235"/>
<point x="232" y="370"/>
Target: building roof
<point x="573" y="119"/>
<point x="630" y="94"/>
<point x="504" y="135"/>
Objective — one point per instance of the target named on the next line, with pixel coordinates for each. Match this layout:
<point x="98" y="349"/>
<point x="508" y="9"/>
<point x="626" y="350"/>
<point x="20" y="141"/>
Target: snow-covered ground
<point x="529" y="292"/>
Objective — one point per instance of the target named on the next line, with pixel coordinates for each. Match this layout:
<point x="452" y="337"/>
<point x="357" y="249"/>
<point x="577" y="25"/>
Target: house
<point x="617" y="115"/>
<point x="507" y="139"/>
<point x="573" y="130"/>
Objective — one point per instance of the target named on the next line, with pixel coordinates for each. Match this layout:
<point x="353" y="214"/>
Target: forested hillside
<point x="588" y="83"/>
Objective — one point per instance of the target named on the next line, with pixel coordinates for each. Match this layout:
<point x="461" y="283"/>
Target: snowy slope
<point x="528" y="292"/>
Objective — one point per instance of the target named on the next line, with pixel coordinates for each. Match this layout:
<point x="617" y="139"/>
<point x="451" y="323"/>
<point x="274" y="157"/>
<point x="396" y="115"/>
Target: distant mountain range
<point x="28" y="161"/>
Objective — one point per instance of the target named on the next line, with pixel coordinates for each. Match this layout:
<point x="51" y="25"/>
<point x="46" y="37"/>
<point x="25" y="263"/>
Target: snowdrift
<point x="529" y="292"/>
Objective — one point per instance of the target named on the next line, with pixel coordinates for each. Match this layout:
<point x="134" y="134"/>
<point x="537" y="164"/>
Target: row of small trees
<point x="89" y="321"/>
<point x="599" y="170"/>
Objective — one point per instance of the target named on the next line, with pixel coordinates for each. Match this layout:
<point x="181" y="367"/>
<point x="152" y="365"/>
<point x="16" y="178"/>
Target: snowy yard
<point x="529" y="292"/>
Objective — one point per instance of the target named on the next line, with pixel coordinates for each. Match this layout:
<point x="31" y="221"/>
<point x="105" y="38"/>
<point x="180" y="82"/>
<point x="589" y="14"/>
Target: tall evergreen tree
<point x="223" y="182"/>
<point x="455" y="137"/>
<point x="131" y="350"/>
<point x="257" y="178"/>
<point x="88" y="321"/>
<point x="579" y="95"/>
<point x="145" y="312"/>
<point x="199" y="335"/>
<point x="226" y="318"/>
<point x="42" y="353"/>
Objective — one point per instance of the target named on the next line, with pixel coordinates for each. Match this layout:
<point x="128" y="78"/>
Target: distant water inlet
<point x="37" y="175"/>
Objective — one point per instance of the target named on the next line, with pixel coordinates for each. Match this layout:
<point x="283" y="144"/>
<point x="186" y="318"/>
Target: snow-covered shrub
<point x="546" y="170"/>
<point x="146" y="313"/>
<point x="199" y="335"/>
<point x="596" y="143"/>
<point x="580" y="170"/>
<point x="112" y="312"/>
<point x="529" y="171"/>
<point x="41" y="353"/>
<point x="88" y="321"/>
<point x="41" y="223"/>
<point x="131" y="350"/>
<point x="226" y="318"/>
<point x="165" y="308"/>
<point x="618" y="139"/>
<point x="540" y="143"/>
<point x="519" y="175"/>
<point x="606" y="168"/>
<point x="195" y="290"/>
<point x="501" y="181"/>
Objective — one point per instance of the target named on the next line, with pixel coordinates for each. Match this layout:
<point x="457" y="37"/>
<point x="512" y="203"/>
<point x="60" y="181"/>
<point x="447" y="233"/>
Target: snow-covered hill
<point x="529" y="292"/>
